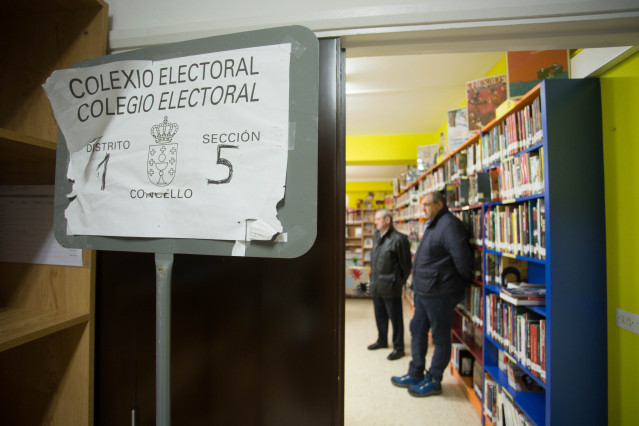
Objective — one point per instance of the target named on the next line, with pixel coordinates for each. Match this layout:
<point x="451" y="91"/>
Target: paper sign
<point x="192" y="147"/>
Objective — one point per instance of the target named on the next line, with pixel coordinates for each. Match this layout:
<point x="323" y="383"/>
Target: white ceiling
<point x="408" y="94"/>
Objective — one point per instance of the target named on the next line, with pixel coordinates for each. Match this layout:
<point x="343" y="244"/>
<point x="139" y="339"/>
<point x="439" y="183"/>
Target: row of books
<point x="461" y="359"/>
<point x="460" y="189"/>
<point x="510" y="228"/>
<point x="473" y="159"/>
<point x="472" y="331"/>
<point x="406" y="198"/>
<point x="515" y="133"/>
<point x="518" y="131"/>
<point x="518" y="176"/>
<point x="500" y="407"/>
<point x="406" y="179"/>
<point x="478" y="260"/>
<point x="515" y="177"/>
<point x="492" y="391"/>
<point x="520" y="331"/>
<point x="437" y="180"/>
<point x="471" y="218"/>
<point x="473" y="305"/>
<point x="353" y="216"/>
<point x="518" y="229"/>
<point x="409" y="212"/>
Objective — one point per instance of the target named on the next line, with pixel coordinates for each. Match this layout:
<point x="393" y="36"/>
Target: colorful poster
<point x="191" y="147"/>
<point x="483" y="97"/>
<point x="528" y="68"/>
<point x="457" y="125"/>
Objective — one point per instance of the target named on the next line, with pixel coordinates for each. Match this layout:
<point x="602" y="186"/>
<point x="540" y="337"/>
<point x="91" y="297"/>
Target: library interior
<point x="523" y="118"/>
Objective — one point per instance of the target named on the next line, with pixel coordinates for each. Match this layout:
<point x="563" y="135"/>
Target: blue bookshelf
<point x="570" y="261"/>
<point x="574" y="267"/>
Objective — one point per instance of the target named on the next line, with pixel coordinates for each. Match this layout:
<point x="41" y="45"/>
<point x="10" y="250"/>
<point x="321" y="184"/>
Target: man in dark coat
<point x="390" y="267"/>
<point x="442" y="270"/>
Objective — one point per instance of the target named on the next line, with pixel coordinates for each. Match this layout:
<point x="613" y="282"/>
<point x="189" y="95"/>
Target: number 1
<point x="104" y="172"/>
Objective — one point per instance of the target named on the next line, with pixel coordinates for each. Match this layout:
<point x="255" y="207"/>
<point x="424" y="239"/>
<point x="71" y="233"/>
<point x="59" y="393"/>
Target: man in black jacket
<point x="442" y="269"/>
<point x="390" y="267"/>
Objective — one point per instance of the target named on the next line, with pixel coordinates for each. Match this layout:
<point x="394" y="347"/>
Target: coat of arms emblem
<point x="162" y="160"/>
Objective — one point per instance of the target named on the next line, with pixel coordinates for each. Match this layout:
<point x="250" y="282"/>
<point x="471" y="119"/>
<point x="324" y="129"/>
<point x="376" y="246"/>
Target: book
<point x="495" y="194"/>
<point x="525" y="290"/>
<point x="368" y="242"/>
<point x="520" y="381"/>
<point x="477" y="378"/>
<point x="524" y="299"/>
<point x="463" y="191"/>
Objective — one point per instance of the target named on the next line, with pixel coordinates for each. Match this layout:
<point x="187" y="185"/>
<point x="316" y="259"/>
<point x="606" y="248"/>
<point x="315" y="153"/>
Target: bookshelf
<point x="360" y="229"/>
<point x="529" y="188"/>
<point x="354" y="237"/>
<point x="46" y="311"/>
<point x="368" y="231"/>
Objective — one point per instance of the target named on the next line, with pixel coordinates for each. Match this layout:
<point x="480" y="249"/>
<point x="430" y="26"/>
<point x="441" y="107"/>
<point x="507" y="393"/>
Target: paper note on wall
<point x="26" y="228"/>
<point x="191" y="147"/>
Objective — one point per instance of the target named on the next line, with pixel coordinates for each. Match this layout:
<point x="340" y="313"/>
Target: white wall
<point x="426" y="25"/>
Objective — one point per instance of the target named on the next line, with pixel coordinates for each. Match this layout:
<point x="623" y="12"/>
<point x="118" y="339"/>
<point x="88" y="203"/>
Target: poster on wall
<point x="483" y="96"/>
<point x="528" y="68"/>
<point x="189" y="147"/>
<point x="457" y="127"/>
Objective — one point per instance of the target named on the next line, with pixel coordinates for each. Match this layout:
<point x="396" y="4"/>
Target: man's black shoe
<point x="395" y="355"/>
<point x="376" y="346"/>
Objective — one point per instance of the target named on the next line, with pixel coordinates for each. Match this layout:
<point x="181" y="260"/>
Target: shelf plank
<point x="474" y="349"/>
<point x="9" y="136"/>
<point x="26" y="159"/>
<point x="514" y="360"/>
<point x="19" y="326"/>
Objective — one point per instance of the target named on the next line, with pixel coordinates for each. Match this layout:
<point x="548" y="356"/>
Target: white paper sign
<point x="192" y="147"/>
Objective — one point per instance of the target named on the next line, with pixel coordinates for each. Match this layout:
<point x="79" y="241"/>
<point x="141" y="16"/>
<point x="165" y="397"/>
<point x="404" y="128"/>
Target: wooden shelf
<point x="26" y="160"/>
<point x="10" y="137"/>
<point x="470" y="344"/>
<point x="46" y="311"/>
<point x="19" y="326"/>
<point x="467" y="385"/>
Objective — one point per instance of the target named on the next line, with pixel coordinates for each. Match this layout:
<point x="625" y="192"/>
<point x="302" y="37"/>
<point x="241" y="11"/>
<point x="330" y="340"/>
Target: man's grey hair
<point x="385" y="213"/>
<point x="438" y="197"/>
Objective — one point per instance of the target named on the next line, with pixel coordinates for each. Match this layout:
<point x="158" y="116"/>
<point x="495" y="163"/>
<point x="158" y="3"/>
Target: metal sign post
<point x="163" y="269"/>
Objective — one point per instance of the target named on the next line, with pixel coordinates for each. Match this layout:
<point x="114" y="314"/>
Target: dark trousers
<point x="386" y="309"/>
<point x="436" y="314"/>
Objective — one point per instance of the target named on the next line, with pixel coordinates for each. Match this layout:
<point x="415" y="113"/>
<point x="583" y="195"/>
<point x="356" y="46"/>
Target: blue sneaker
<point x="425" y="388"/>
<point x="407" y="380"/>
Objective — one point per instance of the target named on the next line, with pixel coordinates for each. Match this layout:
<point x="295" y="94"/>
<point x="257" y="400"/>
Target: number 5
<point x="224" y="162"/>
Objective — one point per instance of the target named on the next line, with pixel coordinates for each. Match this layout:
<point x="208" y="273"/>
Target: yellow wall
<point x="620" y="91"/>
<point x="380" y="150"/>
<point x="385" y="150"/>
<point x="359" y="190"/>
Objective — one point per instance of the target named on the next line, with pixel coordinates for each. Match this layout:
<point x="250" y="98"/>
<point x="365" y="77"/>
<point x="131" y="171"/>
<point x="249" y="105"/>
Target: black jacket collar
<point x="439" y="214"/>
